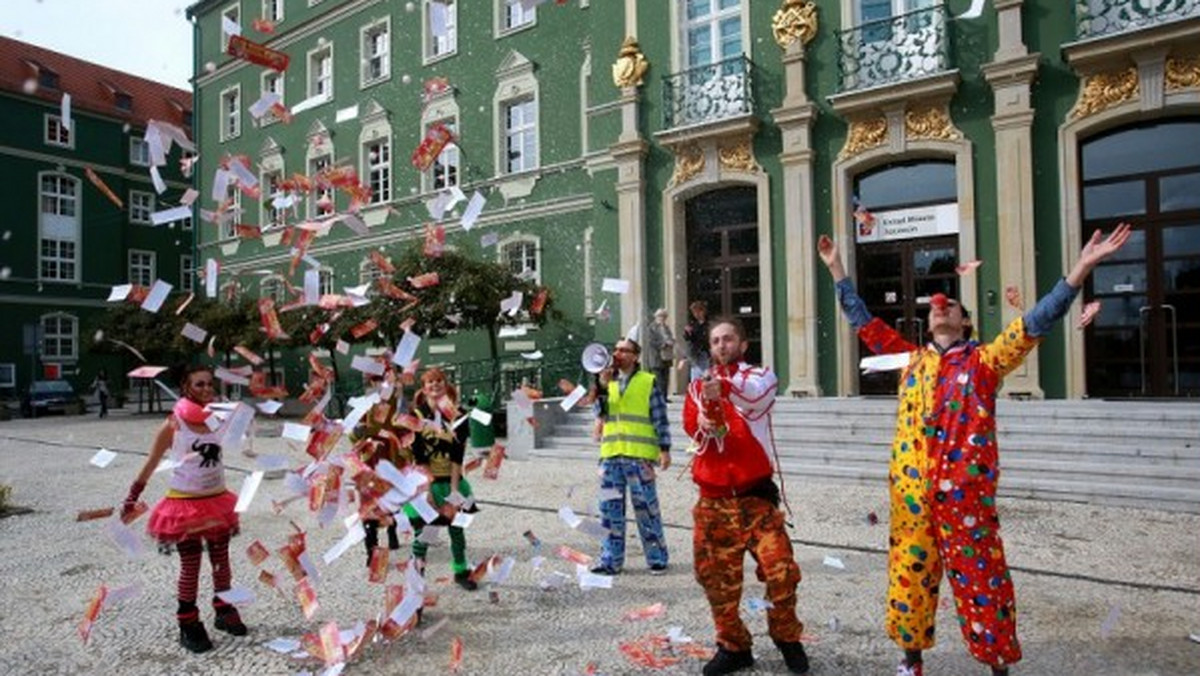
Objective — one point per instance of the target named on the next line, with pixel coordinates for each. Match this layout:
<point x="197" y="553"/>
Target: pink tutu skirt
<point x="176" y="519"/>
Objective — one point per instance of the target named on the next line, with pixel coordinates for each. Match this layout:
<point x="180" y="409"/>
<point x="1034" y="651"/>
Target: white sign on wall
<point x="941" y="219"/>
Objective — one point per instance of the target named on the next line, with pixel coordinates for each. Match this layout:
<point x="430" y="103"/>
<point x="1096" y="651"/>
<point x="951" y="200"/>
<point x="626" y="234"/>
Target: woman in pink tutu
<point x="196" y="509"/>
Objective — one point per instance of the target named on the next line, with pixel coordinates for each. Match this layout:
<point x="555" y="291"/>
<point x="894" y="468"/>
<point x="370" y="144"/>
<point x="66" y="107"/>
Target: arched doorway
<point x="907" y="248"/>
<point x="722" y="258"/>
<point x="1145" y="342"/>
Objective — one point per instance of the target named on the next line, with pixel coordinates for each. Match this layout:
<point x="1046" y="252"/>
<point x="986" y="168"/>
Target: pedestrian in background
<point x="660" y="351"/>
<point x="696" y="335"/>
<point x="100" y="387"/>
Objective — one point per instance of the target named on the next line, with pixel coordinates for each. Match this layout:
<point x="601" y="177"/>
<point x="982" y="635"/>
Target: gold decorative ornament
<point x="689" y="161"/>
<point x="930" y="123"/>
<point x="1182" y="73"/>
<point x="1105" y="90"/>
<point x="864" y="134"/>
<point x="631" y="65"/>
<point x="795" y="20"/>
<point x="738" y="155"/>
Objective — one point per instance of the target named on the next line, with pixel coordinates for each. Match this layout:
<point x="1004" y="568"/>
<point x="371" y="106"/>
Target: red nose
<point x="939" y="301"/>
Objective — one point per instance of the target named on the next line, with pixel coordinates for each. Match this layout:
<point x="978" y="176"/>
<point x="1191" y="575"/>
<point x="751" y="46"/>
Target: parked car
<point x="44" y="396"/>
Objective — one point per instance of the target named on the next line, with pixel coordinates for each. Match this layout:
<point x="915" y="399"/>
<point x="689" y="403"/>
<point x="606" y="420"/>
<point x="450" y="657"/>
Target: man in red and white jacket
<point x="728" y="416"/>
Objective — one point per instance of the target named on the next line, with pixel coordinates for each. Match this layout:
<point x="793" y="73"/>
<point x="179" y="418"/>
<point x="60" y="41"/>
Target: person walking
<point x="945" y="462"/>
<point x="634" y="434"/>
<point x="660" y="350"/>
<point x="100" y="387"/>
<point x="728" y="417"/>
<point x="197" y="509"/>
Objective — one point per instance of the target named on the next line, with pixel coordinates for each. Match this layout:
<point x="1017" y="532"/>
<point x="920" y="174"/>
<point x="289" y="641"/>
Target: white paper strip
<point x="220" y="189"/>
<point x="270" y="406"/>
<point x="532" y="356"/>
<point x="342" y="347"/>
<point x="312" y="286"/>
<point x="310" y="102"/>
<point x="296" y="432"/>
<point x="283" y="646"/>
<point x="576" y="394"/>
<point x="238" y="596"/>
<point x="456" y="196"/>
<point x="158" y="294"/>
<point x="437" y="207"/>
<point x="210" y="278"/>
<point x="346" y="114"/>
<point x="615" y="285"/>
<point x="406" y="350"/>
<point x="237" y="426"/>
<point x="884" y="362"/>
<point x="103" y="458"/>
<point x="170" y="215"/>
<point x="425" y="509"/>
<point x="229" y="26"/>
<point x="474" y="208"/>
<point x="368" y="365"/>
<point x="482" y="417"/>
<point x="462" y="520"/>
<point x="354" y="536"/>
<point x="231" y="377"/>
<point x="189" y="196"/>
<point x="569" y="516"/>
<point x="589" y="580"/>
<point x="65" y="111"/>
<point x="119" y="292"/>
<point x="513" y="302"/>
<point x="193" y="333"/>
<point x="160" y="186"/>
<point x="125" y="538"/>
<point x="411" y="603"/>
<point x="511" y="331"/>
<point x="263" y="104"/>
<point x="249" y="488"/>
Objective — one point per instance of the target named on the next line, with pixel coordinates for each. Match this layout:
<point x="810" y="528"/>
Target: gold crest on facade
<point x="738" y="155"/>
<point x="795" y="20"/>
<point x="1182" y="73"/>
<point x="930" y="123"/>
<point x="689" y="161"/>
<point x="864" y="134"/>
<point x="631" y="65"/>
<point x="1105" y="90"/>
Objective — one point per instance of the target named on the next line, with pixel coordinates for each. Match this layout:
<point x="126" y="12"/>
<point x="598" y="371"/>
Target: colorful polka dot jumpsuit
<point x="943" y="475"/>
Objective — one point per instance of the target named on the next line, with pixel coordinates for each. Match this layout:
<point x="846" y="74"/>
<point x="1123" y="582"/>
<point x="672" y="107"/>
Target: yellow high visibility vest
<point x="628" y="430"/>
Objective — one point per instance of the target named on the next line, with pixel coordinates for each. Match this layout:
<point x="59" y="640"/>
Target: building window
<point x="60" y="336"/>
<point x="123" y="101"/>
<point x="139" y="151"/>
<point x="57" y="134"/>
<point x="517" y="15"/>
<point x="377" y="158"/>
<point x="231" y="113"/>
<point x="8" y="376"/>
<point x="273" y="10"/>
<point x="187" y="273"/>
<point x="376" y="59"/>
<point x="369" y="272"/>
<point x="325" y="282"/>
<point x="270" y="190"/>
<point x="444" y="172"/>
<point x="520" y="135"/>
<point x="186" y="224"/>
<point x="141" y="206"/>
<point x="47" y="78"/>
<point x="714" y="31"/>
<point x="520" y="256"/>
<point x="272" y="83"/>
<point x="141" y="267"/>
<point x="231" y="20"/>
<point x="232" y="213"/>
<point x="321" y="199"/>
<point x="272" y="287"/>
<point x="320" y="73"/>
<point x="441" y="17"/>
<point x="58" y="252"/>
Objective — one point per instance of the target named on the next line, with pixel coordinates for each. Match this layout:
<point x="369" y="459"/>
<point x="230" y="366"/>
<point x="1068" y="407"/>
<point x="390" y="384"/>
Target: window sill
<point x="505" y="32"/>
<point x="367" y="84"/>
<point x="432" y="59"/>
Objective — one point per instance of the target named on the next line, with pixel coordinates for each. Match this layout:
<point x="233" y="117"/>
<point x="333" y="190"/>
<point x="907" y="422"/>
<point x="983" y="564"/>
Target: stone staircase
<point x="1138" y="454"/>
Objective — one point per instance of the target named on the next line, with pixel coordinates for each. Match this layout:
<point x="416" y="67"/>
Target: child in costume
<point x="196" y="510"/>
<point x="439" y="447"/>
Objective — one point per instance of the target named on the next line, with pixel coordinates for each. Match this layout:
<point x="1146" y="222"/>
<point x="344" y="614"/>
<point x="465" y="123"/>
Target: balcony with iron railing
<point x="1097" y="18"/>
<point x="709" y="93"/>
<point x="897" y="49"/>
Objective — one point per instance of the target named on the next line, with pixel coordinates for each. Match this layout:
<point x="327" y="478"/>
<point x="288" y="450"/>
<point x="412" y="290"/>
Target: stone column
<point x="629" y="154"/>
<point x="1011" y="75"/>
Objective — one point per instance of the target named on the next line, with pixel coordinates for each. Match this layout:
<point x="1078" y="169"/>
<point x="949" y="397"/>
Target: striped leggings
<point x="190" y="553"/>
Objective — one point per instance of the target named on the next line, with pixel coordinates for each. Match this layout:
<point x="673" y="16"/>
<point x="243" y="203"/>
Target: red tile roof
<point x="92" y="87"/>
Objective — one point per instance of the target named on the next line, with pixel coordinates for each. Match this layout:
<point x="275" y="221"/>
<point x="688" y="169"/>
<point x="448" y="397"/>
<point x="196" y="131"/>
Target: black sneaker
<point x="793" y="656"/>
<point x="728" y="661"/>
<point x="658" y="569"/>
<point x="229" y="621"/>
<point x="464" y="580"/>
<point x="605" y="570"/>
<point x="194" y="637"/>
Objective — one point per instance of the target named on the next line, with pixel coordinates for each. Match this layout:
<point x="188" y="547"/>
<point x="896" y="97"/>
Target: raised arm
<point x="878" y="336"/>
<point x="1051" y="307"/>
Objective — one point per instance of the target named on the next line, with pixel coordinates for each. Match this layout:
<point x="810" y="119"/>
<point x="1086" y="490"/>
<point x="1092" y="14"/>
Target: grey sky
<point x="149" y="38"/>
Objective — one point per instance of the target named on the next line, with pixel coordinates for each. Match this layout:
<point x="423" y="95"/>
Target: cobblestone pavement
<point x="1100" y="590"/>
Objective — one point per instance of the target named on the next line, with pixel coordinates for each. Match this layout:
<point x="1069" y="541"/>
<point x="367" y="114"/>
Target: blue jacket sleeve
<point x="1050" y="308"/>
<point x="658" y="416"/>
<point x="852" y="305"/>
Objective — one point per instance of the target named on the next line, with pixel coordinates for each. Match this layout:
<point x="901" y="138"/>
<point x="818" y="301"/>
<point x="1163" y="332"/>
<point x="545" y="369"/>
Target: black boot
<point x="793" y="656"/>
<point x="192" y="634"/>
<point x="464" y="580"/>
<point x="728" y="661"/>
<point x="228" y="619"/>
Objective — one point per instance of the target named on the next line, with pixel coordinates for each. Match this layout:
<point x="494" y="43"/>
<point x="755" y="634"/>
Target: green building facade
<point x="64" y="243"/>
<point x="696" y="149"/>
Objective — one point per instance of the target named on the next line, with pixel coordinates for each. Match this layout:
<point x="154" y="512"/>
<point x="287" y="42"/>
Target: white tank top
<point x="200" y="470"/>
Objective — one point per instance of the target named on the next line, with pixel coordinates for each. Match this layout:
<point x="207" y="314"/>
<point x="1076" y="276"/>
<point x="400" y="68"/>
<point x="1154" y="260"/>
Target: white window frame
<point x="185" y="224"/>
<point x="366" y="44"/>
<point x="315" y="74"/>
<point x="234" y="14"/>
<point x="273" y="287"/>
<point x="229" y="224"/>
<point x="433" y="48"/>
<point x="70" y="337"/>
<point x="368" y="272"/>
<point x="272" y="10"/>
<point x="268" y="215"/>
<point x="382" y="167"/>
<point x="505" y="10"/>
<point x="450" y="158"/>
<point x="141" y="206"/>
<point x="55" y="134"/>
<point x="316" y="164"/>
<point x="526" y="134"/>
<point x="187" y="273"/>
<point x="325" y="281"/>
<point x="55" y="219"/>
<point x="8" y="376"/>
<point x="523" y="240"/>
<point x="141" y="267"/>
<point x="713" y="21"/>
<point x="271" y="82"/>
<point x="231" y="113"/>
<point x="139" y="151"/>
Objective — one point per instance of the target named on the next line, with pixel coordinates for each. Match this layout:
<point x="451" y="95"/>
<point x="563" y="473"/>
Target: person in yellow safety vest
<point x="634" y="434"/>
